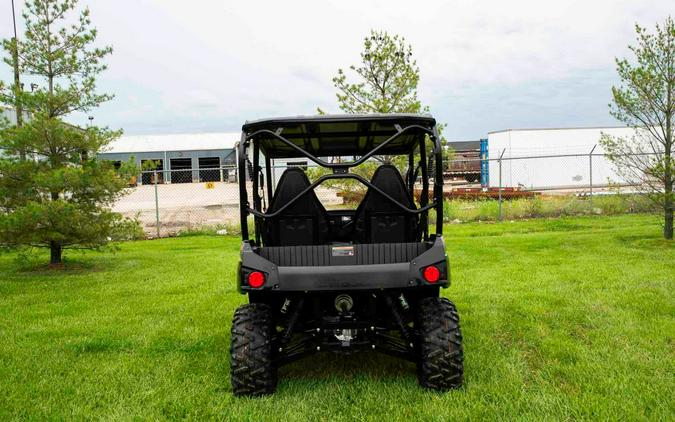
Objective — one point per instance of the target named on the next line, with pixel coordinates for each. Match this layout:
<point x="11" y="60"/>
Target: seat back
<point x="305" y="222"/>
<point x="377" y="219"/>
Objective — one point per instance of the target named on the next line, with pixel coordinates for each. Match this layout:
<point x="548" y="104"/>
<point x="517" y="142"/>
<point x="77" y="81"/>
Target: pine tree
<point x="59" y="197"/>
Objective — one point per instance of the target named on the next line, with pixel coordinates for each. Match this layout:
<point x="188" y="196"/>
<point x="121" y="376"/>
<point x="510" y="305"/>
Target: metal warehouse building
<point x="571" y="168"/>
<point x="180" y="158"/>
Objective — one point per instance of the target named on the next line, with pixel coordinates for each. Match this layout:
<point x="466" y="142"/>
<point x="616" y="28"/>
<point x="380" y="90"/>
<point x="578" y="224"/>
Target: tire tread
<point x="253" y="370"/>
<point x="441" y="354"/>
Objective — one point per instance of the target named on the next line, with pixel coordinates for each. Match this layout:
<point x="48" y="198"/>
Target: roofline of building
<point x="162" y="148"/>
<point x="140" y="135"/>
<point x="558" y="128"/>
<point x="167" y="150"/>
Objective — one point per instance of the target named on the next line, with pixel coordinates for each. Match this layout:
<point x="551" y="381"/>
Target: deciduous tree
<point x="386" y="82"/>
<point x="387" y="78"/>
<point x="645" y="101"/>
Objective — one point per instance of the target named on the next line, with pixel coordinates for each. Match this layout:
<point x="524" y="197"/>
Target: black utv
<point x="333" y="280"/>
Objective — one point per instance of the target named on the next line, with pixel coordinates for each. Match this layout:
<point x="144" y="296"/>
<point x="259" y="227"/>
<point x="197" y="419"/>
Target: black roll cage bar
<point x="341" y="171"/>
<point x="340" y="176"/>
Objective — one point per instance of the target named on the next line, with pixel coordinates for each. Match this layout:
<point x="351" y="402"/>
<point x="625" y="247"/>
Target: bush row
<point x="457" y="210"/>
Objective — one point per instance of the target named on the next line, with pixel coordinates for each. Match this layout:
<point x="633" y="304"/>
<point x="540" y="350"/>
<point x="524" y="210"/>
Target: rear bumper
<point x="349" y="275"/>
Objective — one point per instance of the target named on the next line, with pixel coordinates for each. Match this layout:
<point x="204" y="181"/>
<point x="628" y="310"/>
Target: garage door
<point x="181" y="170"/>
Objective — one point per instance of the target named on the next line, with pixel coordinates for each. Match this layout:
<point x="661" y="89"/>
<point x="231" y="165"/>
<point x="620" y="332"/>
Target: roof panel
<point x="338" y="135"/>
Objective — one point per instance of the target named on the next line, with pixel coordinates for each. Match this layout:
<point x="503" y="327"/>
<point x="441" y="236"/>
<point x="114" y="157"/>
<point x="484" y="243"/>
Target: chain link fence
<point x="542" y="186"/>
<point x="169" y="202"/>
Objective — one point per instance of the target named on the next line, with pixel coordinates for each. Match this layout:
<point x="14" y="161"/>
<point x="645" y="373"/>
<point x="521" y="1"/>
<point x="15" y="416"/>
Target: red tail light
<point x="431" y="274"/>
<point x="256" y="279"/>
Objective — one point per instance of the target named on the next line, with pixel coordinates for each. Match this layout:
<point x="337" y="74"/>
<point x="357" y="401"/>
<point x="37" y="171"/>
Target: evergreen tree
<point x="59" y="197"/>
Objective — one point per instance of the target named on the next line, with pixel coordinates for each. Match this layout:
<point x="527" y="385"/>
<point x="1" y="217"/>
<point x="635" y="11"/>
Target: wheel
<point x="440" y="363"/>
<point x="253" y="370"/>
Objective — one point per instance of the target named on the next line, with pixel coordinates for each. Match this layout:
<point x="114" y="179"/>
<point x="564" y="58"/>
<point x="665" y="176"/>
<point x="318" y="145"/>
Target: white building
<point x="551" y="173"/>
<point x="180" y="158"/>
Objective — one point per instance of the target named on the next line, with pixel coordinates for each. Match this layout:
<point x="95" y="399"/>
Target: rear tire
<point x="440" y="363"/>
<point x="253" y="370"/>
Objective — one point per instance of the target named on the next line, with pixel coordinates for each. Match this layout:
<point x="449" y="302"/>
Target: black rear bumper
<point x="343" y="267"/>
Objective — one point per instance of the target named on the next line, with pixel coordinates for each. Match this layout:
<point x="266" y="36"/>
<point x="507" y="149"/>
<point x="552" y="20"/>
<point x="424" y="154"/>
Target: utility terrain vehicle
<point x="343" y="280"/>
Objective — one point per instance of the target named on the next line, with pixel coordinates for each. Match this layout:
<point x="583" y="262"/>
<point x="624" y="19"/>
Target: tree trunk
<point x="668" y="179"/>
<point x="55" y="253"/>
<point x="17" y="90"/>
<point x="668" y="210"/>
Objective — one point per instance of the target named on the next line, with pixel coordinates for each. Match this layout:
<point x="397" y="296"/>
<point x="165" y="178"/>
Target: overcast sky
<point x="209" y="65"/>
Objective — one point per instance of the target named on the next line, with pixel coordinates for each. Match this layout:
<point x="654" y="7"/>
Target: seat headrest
<point x="291" y="183"/>
<point x="389" y="180"/>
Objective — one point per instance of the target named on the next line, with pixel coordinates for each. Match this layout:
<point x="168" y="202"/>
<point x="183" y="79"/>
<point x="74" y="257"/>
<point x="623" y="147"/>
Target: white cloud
<point x="209" y="65"/>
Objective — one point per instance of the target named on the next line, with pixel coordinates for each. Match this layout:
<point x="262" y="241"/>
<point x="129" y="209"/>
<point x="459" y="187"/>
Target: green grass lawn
<point x="562" y="319"/>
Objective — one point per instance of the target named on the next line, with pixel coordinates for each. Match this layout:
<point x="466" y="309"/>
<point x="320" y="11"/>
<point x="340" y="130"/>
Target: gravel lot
<point x="187" y="206"/>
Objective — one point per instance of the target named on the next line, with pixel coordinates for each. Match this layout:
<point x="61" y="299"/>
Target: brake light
<point x="431" y="274"/>
<point x="256" y="279"/>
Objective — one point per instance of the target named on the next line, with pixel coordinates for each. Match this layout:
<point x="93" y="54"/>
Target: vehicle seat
<point x="305" y="222"/>
<point x="377" y="219"/>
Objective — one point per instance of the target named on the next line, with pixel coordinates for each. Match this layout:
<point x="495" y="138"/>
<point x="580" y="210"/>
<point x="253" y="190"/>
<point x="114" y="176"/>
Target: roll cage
<point x="362" y="136"/>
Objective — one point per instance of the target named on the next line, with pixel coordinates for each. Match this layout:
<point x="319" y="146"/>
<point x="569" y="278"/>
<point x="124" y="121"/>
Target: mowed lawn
<point x="562" y="319"/>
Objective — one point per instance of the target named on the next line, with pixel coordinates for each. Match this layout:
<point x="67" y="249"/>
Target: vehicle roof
<point x="339" y="134"/>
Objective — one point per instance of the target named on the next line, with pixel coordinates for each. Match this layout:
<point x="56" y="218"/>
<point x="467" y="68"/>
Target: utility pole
<point x="17" y="81"/>
<point x="500" y="183"/>
<point x="590" y="175"/>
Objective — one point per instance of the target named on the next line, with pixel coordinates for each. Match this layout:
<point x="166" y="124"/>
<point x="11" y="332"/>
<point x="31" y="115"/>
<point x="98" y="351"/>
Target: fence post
<point x="156" y="203"/>
<point x="484" y="164"/>
<point x="590" y="175"/>
<point x="500" y="183"/>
